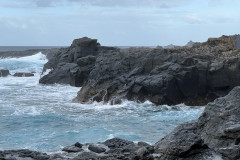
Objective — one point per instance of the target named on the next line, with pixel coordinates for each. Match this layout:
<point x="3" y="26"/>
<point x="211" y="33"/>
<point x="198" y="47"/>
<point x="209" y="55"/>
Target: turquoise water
<point x="42" y="117"/>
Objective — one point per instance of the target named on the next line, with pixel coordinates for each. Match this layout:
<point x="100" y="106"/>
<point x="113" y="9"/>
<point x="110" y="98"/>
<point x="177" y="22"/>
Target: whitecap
<point x="38" y="57"/>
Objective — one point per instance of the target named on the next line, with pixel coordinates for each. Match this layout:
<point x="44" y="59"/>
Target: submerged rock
<point x="23" y="74"/>
<point x="4" y="73"/>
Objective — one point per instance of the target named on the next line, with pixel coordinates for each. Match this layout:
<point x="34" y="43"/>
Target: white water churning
<point x="42" y="117"/>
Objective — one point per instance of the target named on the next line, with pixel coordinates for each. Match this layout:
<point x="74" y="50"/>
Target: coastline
<point x="199" y="75"/>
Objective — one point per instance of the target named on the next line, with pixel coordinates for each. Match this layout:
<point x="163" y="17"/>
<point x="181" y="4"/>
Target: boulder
<point x="96" y="148"/>
<point x="77" y="147"/>
<point x="117" y="143"/>
<point x="86" y="156"/>
<point x="4" y="72"/>
<point x="23" y="74"/>
<point x="72" y="149"/>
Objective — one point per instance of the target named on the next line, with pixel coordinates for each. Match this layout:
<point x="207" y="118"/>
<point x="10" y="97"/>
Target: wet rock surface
<point x="23" y="154"/>
<point x="72" y="65"/>
<point x="192" y="75"/>
<point x="77" y="147"/>
<point x="4" y="73"/>
<point x="120" y="149"/>
<point x="23" y="74"/>
<point x="216" y="132"/>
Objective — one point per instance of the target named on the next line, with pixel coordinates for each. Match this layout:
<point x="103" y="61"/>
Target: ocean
<point x="43" y="117"/>
<point x="23" y="48"/>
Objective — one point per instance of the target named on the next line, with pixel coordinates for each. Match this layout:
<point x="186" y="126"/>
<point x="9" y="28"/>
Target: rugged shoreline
<point x="214" y="134"/>
<point x="192" y="75"/>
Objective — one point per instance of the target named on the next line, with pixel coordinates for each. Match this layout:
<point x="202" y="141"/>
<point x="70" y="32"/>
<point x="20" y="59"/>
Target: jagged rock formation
<point x="193" y="75"/>
<point x="72" y="65"/>
<point x="216" y="132"/>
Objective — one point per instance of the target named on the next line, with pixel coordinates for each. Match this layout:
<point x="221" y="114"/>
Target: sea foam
<point x="43" y="117"/>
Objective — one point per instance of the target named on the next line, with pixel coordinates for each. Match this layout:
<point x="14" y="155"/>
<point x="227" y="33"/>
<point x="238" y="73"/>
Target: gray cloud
<point x="115" y="22"/>
<point x="129" y="3"/>
<point x="99" y="3"/>
<point x="45" y="3"/>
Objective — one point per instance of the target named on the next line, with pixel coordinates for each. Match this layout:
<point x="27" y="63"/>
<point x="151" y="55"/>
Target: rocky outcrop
<point x="4" y="73"/>
<point x="23" y="74"/>
<point x="194" y="76"/>
<point x="112" y="149"/>
<point x="23" y="154"/>
<point x="72" y="65"/>
<point x="215" y="133"/>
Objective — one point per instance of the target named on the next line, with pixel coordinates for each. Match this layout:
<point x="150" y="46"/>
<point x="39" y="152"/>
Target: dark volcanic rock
<point x="60" y="75"/>
<point x="117" y="143"/>
<point x="193" y="75"/>
<point x="122" y="150"/>
<point x="83" y="47"/>
<point x="77" y="147"/>
<point x="95" y="148"/>
<point x="215" y="132"/>
<point x="4" y="72"/>
<point x="23" y="74"/>
<point x="23" y="154"/>
<point x="72" y="65"/>
<point x="86" y="156"/>
<point x="72" y="149"/>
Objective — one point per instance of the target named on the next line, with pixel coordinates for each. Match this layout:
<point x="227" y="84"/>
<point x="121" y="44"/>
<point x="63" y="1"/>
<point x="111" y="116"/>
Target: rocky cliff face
<point x="72" y="65"/>
<point x="216" y="132"/>
<point x="195" y="75"/>
<point x="192" y="75"/>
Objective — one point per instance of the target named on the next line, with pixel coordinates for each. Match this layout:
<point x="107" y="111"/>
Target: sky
<point x="116" y="22"/>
